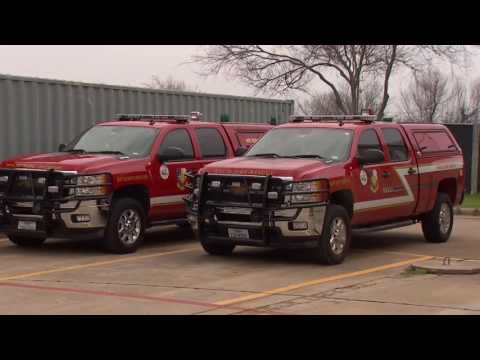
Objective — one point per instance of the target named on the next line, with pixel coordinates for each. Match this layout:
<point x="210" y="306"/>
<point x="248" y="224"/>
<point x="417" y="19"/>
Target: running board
<point x="168" y="222"/>
<point x="383" y="227"/>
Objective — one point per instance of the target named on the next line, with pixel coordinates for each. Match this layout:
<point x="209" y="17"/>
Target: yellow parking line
<point x="95" y="264"/>
<point x="320" y="281"/>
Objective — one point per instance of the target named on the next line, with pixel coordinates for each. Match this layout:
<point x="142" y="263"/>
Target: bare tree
<point x="325" y="103"/>
<point x="427" y="97"/>
<point x="464" y="106"/>
<point x="285" y="67"/>
<point x="168" y="84"/>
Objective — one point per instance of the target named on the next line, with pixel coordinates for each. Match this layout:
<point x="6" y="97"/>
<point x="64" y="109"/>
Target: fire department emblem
<point x="374" y="181"/>
<point x="182" y="178"/>
<point x="164" y="173"/>
<point x="363" y="177"/>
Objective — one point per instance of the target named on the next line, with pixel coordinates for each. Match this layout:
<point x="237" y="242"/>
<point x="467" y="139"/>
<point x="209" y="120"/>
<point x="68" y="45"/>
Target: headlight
<point x="91" y="180"/>
<point x="318" y="190"/>
<point x="3" y="179"/>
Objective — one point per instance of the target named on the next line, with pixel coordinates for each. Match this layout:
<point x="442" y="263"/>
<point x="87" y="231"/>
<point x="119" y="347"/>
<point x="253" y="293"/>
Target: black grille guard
<point x="196" y="198"/>
<point x="46" y="202"/>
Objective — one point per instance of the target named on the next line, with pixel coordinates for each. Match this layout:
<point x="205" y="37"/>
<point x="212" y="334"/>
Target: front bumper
<point x="58" y="224"/>
<point x="279" y="232"/>
<point x="264" y="215"/>
<point x="40" y="203"/>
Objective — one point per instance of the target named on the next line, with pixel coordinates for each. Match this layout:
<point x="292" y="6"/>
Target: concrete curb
<point x="447" y="266"/>
<point x="466" y="211"/>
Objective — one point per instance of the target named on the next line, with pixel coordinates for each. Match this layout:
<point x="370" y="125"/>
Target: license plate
<point x="239" y="234"/>
<point x="27" y="225"/>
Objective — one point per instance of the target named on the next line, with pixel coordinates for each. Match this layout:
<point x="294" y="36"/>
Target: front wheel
<point x="26" y="241"/>
<point x="216" y="248"/>
<point x="438" y="223"/>
<point x="334" y="243"/>
<point x="126" y="226"/>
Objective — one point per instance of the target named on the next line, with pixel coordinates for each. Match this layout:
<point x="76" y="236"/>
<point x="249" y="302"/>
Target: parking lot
<point x="171" y="274"/>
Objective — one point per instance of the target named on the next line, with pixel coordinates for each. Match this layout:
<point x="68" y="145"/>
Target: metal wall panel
<point x="468" y="137"/>
<point x="38" y="114"/>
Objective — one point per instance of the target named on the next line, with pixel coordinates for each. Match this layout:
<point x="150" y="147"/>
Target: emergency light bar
<point x="194" y="115"/>
<point x="333" y="118"/>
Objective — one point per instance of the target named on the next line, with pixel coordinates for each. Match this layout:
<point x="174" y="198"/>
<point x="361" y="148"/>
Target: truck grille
<point x="29" y="185"/>
<point x="25" y="186"/>
<point x="248" y="191"/>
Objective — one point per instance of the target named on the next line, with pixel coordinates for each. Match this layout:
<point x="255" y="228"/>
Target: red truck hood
<point x="296" y="168"/>
<point x="63" y="162"/>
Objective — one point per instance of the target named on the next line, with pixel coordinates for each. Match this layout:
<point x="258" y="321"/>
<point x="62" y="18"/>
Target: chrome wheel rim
<point x="445" y="218"/>
<point x="129" y="226"/>
<point x="338" y="236"/>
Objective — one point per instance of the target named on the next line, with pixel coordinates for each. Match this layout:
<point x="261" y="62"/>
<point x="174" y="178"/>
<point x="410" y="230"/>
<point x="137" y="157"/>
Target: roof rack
<point x="194" y="115"/>
<point x="334" y="118"/>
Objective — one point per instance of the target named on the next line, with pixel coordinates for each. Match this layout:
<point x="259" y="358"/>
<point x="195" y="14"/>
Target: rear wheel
<point x="335" y="240"/>
<point x="26" y="242"/>
<point x="438" y="223"/>
<point x="126" y="226"/>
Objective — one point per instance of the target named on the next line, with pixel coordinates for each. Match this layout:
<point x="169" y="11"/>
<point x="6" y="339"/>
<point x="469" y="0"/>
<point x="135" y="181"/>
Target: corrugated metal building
<point x="468" y="137"/>
<point x="38" y="114"/>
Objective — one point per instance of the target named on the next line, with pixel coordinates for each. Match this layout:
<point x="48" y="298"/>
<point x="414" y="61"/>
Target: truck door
<point x="211" y="145"/>
<point x="401" y="184"/>
<point x="379" y="193"/>
<point x="368" y="198"/>
<point x="169" y="177"/>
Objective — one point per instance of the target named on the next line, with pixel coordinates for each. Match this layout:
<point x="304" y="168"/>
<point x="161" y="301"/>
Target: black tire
<point x="26" y="241"/>
<point x="325" y="252"/>
<point x="216" y="248"/>
<point x="432" y="225"/>
<point x="184" y="225"/>
<point x="112" y="240"/>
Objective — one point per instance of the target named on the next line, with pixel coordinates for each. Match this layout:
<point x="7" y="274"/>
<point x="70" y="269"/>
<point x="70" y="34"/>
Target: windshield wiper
<point x="74" y="151"/>
<point x="273" y="155"/>
<point x="115" y="152"/>
<point x="308" y="156"/>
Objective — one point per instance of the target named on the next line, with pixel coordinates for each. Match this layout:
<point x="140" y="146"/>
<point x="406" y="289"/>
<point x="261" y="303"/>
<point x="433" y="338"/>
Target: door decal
<point x="363" y="177"/>
<point x="374" y="181"/>
<point x="181" y="178"/>
<point x="164" y="172"/>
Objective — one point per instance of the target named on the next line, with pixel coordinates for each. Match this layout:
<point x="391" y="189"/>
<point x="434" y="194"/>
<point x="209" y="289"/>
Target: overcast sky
<point x="134" y="65"/>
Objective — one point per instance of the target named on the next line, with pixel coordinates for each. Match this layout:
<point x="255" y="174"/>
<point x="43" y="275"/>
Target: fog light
<point x="272" y="195"/>
<point x="256" y="186"/>
<point x="53" y="189"/>
<point x="215" y="184"/>
<point x="298" y="225"/>
<point x="80" y="218"/>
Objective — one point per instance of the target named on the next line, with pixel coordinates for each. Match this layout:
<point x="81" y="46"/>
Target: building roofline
<point x="137" y="88"/>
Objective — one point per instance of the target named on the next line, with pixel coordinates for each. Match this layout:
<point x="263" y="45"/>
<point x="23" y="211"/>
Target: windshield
<point x="327" y="144"/>
<point x="122" y="140"/>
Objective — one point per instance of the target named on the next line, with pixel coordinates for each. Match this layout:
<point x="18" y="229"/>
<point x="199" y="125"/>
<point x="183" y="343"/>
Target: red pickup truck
<point x="115" y="179"/>
<point x="314" y="181"/>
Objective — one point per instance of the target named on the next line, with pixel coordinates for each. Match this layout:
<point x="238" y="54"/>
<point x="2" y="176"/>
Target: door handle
<point x="412" y="171"/>
<point x="386" y="174"/>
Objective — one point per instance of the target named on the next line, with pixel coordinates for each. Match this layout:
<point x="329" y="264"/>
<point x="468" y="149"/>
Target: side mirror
<point x="371" y="156"/>
<point x="240" y="151"/>
<point x="171" y="153"/>
<point x="61" y="147"/>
